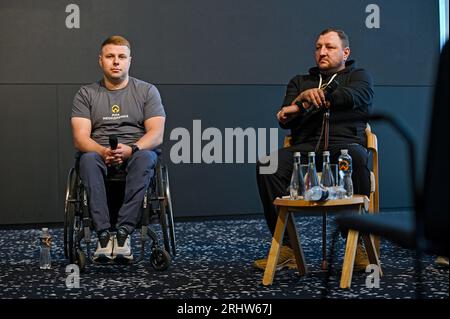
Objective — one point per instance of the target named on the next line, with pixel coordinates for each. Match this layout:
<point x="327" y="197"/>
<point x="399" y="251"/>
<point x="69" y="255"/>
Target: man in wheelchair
<point x="117" y="123"/>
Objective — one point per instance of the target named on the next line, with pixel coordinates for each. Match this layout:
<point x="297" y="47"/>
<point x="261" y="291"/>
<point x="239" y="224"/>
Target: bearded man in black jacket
<point x="307" y="98"/>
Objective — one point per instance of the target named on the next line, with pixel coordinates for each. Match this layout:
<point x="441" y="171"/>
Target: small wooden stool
<point x="287" y="207"/>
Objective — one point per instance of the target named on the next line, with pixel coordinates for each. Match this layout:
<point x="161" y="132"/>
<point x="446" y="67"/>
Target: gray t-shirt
<point x="120" y="112"/>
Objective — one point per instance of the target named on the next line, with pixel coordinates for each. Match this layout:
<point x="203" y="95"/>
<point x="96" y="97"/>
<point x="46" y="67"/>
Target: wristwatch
<point x="134" y="148"/>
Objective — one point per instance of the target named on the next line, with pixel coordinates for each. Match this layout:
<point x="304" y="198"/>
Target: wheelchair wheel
<point x="69" y="233"/>
<point x="161" y="193"/>
<point x="80" y="259"/>
<point x="69" y="205"/>
<point x="168" y="206"/>
<point x="160" y="259"/>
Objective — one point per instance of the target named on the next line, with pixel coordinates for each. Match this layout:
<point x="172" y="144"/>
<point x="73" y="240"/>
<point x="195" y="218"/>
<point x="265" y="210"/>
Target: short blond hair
<point x="116" y="40"/>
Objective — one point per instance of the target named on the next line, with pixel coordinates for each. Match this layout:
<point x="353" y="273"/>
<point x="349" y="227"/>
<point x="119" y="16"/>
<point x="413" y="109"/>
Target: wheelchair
<point x="156" y="208"/>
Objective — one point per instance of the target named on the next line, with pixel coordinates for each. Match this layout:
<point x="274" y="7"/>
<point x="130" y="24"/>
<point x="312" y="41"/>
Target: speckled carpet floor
<point x="213" y="262"/>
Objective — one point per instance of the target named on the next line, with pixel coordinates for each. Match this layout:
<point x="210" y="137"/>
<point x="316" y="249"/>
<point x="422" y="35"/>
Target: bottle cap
<point x="344" y="152"/>
<point x="45" y="229"/>
<point x="297" y="154"/>
<point x="311" y="154"/>
<point x="326" y="153"/>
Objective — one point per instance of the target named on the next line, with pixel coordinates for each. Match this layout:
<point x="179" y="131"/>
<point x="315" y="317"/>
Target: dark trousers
<point x="139" y="169"/>
<point x="275" y="185"/>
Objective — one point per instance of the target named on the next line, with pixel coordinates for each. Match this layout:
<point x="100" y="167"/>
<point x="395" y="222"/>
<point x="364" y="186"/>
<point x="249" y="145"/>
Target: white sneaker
<point x="104" y="252"/>
<point x="124" y="251"/>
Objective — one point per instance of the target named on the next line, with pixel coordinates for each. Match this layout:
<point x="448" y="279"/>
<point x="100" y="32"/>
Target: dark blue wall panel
<point x="225" y="63"/>
<point x="220" y="42"/>
<point x="29" y="160"/>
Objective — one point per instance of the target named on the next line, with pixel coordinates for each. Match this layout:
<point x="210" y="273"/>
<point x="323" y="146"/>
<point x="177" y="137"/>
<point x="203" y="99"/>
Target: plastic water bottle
<point x="45" y="247"/>
<point x="345" y="173"/>
<point x="297" y="186"/>
<point x="311" y="178"/>
<point x="327" y="180"/>
<point x="313" y="189"/>
<point x="316" y="193"/>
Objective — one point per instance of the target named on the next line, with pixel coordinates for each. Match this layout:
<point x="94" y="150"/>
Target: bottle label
<point x="344" y="165"/>
<point x="46" y="241"/>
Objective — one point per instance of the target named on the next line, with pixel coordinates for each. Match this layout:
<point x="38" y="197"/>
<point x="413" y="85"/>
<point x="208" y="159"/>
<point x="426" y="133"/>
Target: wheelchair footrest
<point x="108" y="261"/>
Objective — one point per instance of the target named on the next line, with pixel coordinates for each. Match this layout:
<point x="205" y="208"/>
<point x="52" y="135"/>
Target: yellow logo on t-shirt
<point x="115" y="114"/>
<point x="115" y="109"/>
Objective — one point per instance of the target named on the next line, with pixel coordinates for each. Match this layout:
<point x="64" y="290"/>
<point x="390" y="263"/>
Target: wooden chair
<point x="372" y="146"/>
<point x="374" y="206"/>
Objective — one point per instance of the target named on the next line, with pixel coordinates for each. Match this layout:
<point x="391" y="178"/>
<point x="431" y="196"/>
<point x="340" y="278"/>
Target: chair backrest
<point x="372" y="146"/>
<point x="287" y="141"/>
<point x="435" y="208"/>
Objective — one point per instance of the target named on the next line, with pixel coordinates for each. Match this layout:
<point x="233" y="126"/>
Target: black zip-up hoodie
<point x="351" y="102"/>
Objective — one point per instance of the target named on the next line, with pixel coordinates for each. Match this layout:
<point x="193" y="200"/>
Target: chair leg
<point x="274" y="252"/>
<point x="324" y="241"/>
<point x="376" y="241"/>
<point x="349" y="259"/>
<point x="296" y="245"/>
<point x="372" y="251"/>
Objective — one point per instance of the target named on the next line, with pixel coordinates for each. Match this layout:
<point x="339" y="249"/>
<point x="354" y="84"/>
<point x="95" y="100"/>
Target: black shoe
<point x="122" y="246"/>
<point x="103" y="238"/>
<point x="122" y="234"/>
